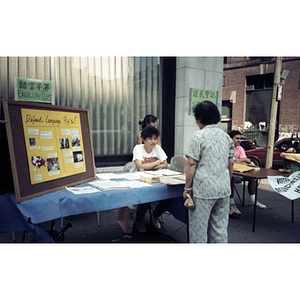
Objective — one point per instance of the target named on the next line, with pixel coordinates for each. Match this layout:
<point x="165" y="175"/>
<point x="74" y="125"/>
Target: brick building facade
<point x="247" y="94"/>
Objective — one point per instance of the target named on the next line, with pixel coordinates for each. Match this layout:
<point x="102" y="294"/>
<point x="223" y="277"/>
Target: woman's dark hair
<point x="147" y="120"/>
<point x="207" y="113"/>
<point x="233" y="133"/>
<point x="149" y="131"/>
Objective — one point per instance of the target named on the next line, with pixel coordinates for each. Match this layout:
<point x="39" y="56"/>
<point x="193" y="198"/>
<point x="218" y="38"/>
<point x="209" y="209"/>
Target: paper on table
<point x="82" y="190"/>
<point x="108" y="176"/>
<point x="144" y="177"/>
<point x="171" y="181"/>
<point x="242" y="168"/>
<point x="132" y="176"/>
<point x="107" y="185"/>
<point x="136" y="184"/>
<point x="163" y="172"/>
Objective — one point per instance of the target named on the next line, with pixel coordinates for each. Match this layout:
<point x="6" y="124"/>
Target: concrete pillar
<point x="193" y="72"/>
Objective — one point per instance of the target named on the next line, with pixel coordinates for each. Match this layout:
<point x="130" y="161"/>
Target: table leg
<point x="255" y="202"/>
<point x="244" y="182"/>
<point x="292" y="211"/>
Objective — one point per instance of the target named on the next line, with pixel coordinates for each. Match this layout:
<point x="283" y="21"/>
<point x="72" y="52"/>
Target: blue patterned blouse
<point x="211" y="147"/>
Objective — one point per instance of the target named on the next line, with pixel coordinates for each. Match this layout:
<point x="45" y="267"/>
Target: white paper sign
<point x="288" y="187"/>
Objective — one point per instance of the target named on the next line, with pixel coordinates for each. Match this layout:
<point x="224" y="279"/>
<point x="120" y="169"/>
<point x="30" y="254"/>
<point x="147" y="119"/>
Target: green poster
<point x="37" y="90"/>
<point x="198" y="95"/>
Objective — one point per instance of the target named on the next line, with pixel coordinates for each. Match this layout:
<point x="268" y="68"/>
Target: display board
<point x="50" y="147"/>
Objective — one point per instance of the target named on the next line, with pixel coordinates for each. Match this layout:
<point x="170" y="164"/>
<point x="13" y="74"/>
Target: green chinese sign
<point x="198" y="95"/>
<point x="37" y="90"/>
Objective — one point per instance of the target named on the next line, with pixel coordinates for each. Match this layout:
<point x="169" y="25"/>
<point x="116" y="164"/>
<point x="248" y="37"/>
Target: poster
<point x="27" y="89"/>
<point x="53" y="143"/>
<point x="199" y="95"/>
<point x="288" y="187"/>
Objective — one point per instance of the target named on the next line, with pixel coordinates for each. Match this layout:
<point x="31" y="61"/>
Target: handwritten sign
<point x="199" y="95"/>
<point x="37" y="90"/>
<point x="288" y="187"/>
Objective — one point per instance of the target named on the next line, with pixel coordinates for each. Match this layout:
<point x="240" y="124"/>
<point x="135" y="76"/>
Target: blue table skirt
<point x="12" y="220"/>
<point x="63" y="203"/>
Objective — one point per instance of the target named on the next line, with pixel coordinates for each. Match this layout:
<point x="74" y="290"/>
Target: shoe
<point x="235" y="209"/>
<point x="155" y="223"/>
<point x="258" y="204"/>
<point x="233" y="216"/>
<point x="140" y="227"/>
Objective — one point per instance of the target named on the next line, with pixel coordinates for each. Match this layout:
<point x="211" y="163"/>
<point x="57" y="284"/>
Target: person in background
<point x="149" y="156"/>
<point x="241" y="158"/>
<point x="209" y="169"/>
<point x="149" y="120"/>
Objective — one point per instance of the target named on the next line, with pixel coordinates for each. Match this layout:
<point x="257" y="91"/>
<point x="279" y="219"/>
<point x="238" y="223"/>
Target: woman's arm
<point x="159" y="141"/>
<point x="139" y="140"/>
<point x="230" y="167"/>
<point x="243" y="160"/>
<point x="191" y="165"/>
<point x="147" y="166"/>
<point x="163" y="165"/>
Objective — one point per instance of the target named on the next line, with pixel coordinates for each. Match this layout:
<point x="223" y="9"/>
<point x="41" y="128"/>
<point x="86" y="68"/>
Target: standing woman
<point x="149" y="120"/>
<point x="209" y="169"/>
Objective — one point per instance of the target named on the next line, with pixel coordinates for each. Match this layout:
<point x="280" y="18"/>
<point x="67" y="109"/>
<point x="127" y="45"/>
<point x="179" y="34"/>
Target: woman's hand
<point x="185" y="193"/>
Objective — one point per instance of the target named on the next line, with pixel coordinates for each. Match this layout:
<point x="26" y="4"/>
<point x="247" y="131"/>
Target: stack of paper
<point x="163" y="172"/>
<point x="107" y="185"/>
<point x="171" y="181"/>
<point x="242" y="168"/>
<point x="149" y="178"/>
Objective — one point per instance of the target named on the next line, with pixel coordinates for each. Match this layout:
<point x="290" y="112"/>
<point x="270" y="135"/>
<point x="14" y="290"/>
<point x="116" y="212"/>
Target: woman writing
<point x="208" y="172"/>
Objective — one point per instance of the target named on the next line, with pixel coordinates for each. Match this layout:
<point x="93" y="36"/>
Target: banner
<point x="198" y="95"/>
<point x="53" y="143"/>
<point x="37" y="90"/>
<point x="288" y="187"/>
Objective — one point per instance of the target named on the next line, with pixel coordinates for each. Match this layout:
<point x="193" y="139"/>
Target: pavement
<point x="273" y="225"/>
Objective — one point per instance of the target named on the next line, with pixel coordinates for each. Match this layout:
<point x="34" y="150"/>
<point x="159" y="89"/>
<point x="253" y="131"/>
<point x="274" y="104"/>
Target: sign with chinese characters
<point x="37" y="90"/>
<point x="199" y="95"/>
<point x="54" y="144"/>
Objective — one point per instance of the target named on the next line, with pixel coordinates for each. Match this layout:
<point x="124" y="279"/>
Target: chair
<point x="178" y="163"/>
<point x="127" y="166"/>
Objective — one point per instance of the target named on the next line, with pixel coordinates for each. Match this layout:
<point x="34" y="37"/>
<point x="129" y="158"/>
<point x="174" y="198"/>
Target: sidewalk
<point x="273" y="225"/>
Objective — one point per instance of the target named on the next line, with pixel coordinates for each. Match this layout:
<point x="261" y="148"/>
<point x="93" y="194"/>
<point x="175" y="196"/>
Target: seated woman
<point x="149" y="120"/>
<point x="149" y="156"/>
<point x="241" y="158"/>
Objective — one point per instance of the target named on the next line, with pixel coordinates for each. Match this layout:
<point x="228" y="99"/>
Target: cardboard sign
<point x="199" y="95"/>
<point x="36" y="90"/>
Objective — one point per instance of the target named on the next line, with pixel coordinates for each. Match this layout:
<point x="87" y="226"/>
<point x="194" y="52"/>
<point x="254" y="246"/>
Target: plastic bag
<point x="189" y="203"/>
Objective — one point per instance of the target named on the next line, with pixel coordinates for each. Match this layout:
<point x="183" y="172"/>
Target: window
<point x="118" y="91"/>
<point x="258" y="101"/>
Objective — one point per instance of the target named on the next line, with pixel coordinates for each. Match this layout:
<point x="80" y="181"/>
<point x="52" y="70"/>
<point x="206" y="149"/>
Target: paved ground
<point x="273" y="225"/>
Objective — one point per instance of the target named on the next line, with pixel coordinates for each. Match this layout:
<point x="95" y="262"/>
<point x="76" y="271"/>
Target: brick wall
<point x="235" y="80"/>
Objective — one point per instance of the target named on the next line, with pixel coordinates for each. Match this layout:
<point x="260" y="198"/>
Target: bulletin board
<point x="50" y="147"/>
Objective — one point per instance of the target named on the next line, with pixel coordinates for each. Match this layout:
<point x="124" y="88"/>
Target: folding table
<point x="262" y="173"/>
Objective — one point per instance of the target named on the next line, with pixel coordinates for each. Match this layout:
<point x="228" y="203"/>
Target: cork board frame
<point x="24" y="190"/>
